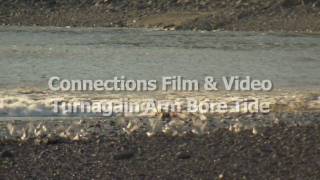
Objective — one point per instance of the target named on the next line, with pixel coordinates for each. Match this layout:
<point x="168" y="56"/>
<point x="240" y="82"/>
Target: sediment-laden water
<point x="29" y="56"/>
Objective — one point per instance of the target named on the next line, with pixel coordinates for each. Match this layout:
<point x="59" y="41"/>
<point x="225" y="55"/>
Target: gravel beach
<point x="278" y="152"/>
<point x="281" y="146"/>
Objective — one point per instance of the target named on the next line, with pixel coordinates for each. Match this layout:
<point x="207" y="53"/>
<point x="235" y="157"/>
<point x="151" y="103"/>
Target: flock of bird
<point x="172" y="124"/>
<point x="41" y="131"/>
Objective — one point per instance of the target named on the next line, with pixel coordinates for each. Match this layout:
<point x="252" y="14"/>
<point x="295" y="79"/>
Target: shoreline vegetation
<point x="234" y="15"/>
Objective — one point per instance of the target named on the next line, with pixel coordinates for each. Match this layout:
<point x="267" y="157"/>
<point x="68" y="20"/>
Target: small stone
<point x="267" y="148"/>
<point x="6" y="154"/>
<point x="254" y="131"/>
<point x="123" y="155"/>
<point x="183" y="155"/>
<point x="55" y="140"/>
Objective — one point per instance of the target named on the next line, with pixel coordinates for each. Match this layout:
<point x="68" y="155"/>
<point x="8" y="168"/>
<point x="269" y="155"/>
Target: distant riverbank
<point x="235" y="15"/>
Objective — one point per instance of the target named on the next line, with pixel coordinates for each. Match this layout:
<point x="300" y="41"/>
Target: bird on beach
<point x="174" y="123"/>
<point x="72" y="132"/>
<point x="40" y="130"/>
<point x="155" y="126"/>
<point x="23" y="134"/>
<point x="132" y="125"/>
<point x="11" y="128"/>
<point x="199" y="124"/>
<point x="30" y="129"/>
<point x="174" y="127"/>
<point x="237" y="127"/>
<point x="158" y="121"/>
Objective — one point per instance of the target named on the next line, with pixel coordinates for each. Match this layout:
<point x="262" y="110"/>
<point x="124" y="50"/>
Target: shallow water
<point x="30" y="55"/>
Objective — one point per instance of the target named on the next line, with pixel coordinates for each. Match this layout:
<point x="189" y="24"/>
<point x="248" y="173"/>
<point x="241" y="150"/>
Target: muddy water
<point x="30" y="55"/>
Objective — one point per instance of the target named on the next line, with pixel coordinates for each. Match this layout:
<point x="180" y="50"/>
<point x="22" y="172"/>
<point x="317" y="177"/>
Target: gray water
<point x="30" y="55"/>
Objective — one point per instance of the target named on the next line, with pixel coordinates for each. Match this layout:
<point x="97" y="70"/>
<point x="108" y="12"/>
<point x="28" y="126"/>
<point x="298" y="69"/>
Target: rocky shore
<point x="284" y="146"/>
<point x="278" y="152"/>
<point x="234" y="15"/>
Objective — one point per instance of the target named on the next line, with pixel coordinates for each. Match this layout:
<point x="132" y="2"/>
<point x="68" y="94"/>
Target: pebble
<point x="6" y="154"/>
<point x="267" y="148"/>
<point x="123" y="155"/>
<point x="183" y="155"/>
<point x="254" y="131"/>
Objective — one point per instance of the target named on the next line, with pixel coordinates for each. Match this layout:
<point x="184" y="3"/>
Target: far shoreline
<point x="255" y="16"/>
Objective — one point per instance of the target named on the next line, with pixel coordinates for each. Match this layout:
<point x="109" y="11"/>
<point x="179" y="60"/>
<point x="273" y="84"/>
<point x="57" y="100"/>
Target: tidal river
<point x="29" y="56"/>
